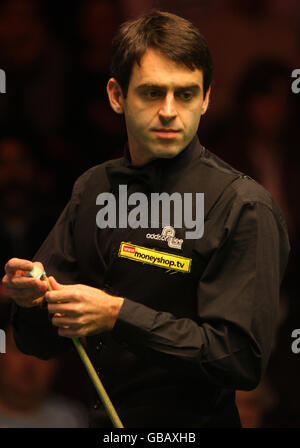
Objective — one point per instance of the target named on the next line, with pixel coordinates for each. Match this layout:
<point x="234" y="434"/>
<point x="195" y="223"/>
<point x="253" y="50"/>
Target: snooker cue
<point x="92" y="373"/>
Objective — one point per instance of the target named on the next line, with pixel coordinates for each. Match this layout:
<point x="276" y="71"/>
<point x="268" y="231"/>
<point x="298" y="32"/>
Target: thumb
<point x="54" y="284"/>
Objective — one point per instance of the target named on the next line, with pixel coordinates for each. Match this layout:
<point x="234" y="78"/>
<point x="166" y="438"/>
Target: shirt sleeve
<point x="230" y="342"/>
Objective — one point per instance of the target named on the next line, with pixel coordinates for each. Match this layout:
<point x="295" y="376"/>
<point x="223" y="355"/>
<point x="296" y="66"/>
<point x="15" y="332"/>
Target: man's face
<point x="162" y="108"/>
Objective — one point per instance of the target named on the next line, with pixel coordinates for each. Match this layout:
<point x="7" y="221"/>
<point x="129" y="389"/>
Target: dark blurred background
<point x="56" y="122"/>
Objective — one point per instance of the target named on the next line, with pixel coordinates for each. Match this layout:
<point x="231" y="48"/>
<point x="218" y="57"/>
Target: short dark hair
<point x="174" y="36"/>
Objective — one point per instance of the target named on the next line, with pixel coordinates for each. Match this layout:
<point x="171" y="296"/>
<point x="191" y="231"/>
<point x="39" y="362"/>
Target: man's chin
<point x="167" y="151"/>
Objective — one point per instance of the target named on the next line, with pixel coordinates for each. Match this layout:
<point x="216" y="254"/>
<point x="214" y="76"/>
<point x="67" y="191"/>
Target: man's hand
<point x="25" y="291"/>
<point x="81" y="310"/>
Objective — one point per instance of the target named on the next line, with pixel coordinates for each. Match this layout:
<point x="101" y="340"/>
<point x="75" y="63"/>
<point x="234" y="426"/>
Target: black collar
<point x="122" y="172"/>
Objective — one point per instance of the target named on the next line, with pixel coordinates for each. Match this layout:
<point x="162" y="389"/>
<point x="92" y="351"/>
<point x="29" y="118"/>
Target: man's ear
<point x="206" y="101"/>
<point x="115" y="95"/>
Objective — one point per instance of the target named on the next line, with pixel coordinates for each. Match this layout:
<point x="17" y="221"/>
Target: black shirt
<point x="183" y="341"/>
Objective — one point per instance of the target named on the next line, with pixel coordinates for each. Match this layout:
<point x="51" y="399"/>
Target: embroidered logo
<point x="155" y="257"/>
<point x="167" y="234"/>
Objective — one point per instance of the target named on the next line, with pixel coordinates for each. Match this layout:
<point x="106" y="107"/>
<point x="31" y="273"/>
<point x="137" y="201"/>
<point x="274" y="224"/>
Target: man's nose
<point x="168" y="108"/>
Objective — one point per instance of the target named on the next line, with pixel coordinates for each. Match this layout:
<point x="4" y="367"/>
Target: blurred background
<point x="56" y="122"/>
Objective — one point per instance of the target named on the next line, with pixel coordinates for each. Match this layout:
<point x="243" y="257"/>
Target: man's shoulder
<point x="242" y="187"/>
<point x="98" y="169"/>
<point x="248" y="190"/>
<point x="240" y="190"/>
<point x="96" y="173"/>
<point x="217" y="165"/>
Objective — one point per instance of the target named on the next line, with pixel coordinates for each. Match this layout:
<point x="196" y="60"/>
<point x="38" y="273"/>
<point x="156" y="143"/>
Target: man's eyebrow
<point x="194" y="87"/>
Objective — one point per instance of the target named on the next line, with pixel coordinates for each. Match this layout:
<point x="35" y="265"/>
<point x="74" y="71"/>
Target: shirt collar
<point x="150" y="175"/>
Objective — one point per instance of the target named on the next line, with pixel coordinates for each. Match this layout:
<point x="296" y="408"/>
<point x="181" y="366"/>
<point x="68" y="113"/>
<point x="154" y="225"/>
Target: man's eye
<point x="153" y="94"/>
<point x="186" y="96"/>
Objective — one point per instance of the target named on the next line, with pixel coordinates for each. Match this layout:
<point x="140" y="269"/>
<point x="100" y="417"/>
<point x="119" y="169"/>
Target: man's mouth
<point x="166" y="133"/>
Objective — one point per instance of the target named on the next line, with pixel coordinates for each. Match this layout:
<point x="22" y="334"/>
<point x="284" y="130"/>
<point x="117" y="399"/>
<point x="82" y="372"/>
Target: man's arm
<point x="33" y="330"/>
<point x="28" y="299"/>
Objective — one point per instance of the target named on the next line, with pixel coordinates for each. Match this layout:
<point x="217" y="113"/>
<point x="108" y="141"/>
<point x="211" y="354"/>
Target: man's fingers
<point x="25" y="283"/>
<point x="17" y="267"/>
<point x="66" y="293"/>
<point x="66" y="332"/>
<point x="62" y="321"/>
<point x="64" y="308"/>
<point x="70" y="332"/>
<point x="54" y="284"/>
<point x="57" y="296"/>
<point x="15" y="264"/>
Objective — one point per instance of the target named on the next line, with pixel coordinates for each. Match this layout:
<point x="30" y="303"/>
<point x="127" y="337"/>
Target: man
<point x="171" y="344"/>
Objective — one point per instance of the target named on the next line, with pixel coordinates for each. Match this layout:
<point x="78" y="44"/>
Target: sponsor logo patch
<point x="151" y="256"/>
<point x="167" y="234"/>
